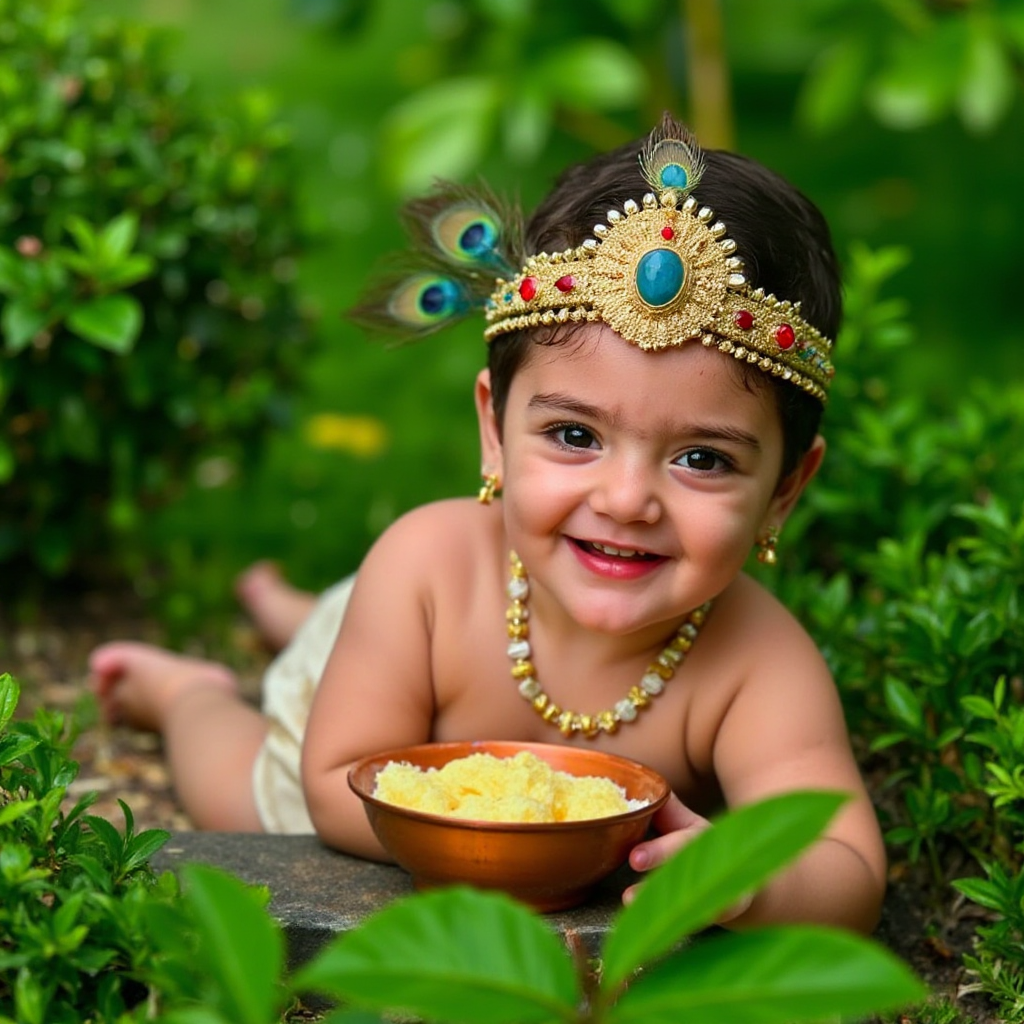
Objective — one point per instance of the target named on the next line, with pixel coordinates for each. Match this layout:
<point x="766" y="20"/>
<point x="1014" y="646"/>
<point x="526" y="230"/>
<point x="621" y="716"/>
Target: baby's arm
<point x="786" y="732"/>
<point x="376" y="692"/>
<point x="783" y="730"/>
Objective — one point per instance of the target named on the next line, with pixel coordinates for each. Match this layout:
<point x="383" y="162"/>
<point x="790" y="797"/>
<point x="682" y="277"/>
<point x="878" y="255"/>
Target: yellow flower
<point x="362" y="436"/>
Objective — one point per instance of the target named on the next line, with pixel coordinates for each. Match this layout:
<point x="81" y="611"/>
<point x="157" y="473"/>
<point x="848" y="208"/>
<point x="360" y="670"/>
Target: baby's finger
<point x="675" y="816"/>
<point x="648" y="855"/>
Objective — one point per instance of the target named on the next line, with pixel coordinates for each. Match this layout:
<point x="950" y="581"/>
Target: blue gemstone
<point x="659" y="276"/>
<point x="674" y="176"/>
<point x="477" y="239"/>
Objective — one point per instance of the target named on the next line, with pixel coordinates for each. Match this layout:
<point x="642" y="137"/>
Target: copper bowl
<point x="547" y="866"/>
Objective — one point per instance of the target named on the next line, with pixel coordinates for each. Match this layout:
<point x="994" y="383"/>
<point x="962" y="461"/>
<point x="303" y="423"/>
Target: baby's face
<point x="635" y="483"/>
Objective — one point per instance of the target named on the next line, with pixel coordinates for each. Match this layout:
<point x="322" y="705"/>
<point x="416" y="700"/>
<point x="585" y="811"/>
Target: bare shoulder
<point x="784" y="708"/>
<point x="440" y="544"/>
<point x="764" y="636"/>
<point x="434" y="529"/>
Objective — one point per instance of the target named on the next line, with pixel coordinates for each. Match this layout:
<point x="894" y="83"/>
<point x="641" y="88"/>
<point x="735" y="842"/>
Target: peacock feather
<point x="671" y="158"/>
<point x="462" y="239"/>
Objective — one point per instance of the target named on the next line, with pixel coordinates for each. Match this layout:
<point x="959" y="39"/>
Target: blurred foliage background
<point x="902" y="119"/>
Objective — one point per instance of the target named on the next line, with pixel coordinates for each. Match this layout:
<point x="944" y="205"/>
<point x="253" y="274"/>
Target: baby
<point x="648" y="415"/>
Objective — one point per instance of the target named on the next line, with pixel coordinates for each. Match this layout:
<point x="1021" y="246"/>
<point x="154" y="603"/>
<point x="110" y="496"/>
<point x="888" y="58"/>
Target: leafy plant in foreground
<point x="459" y="955"/>
<point x="74" y="892"/>
<point x="88" y="934"/>
<point x="464" y="956"/>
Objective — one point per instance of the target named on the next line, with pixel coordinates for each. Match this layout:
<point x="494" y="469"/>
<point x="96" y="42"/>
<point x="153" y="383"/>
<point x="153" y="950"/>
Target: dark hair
<point x="781" y="235"/>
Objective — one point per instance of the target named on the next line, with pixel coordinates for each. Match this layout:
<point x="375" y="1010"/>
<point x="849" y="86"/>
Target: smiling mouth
<point x="631" y="554"/>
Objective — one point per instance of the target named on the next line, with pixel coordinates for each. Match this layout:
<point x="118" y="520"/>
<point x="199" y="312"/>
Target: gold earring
<point x="766" y="545"/>
<point x="487" y="491"/>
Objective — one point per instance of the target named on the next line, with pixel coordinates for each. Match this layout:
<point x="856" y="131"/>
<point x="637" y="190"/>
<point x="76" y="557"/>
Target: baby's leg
<point x="211" y="734"/>
<point x="277" y="608"/>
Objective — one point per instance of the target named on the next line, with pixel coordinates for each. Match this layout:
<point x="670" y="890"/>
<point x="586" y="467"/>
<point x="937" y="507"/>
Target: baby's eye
<point x="704" y="460"/>
<point x="572" y="435"/>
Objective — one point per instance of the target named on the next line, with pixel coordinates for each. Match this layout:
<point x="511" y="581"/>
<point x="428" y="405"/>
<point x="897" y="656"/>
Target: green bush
<point x="907" y="564"/>
<point x="75" y="894"/>
<point x="147" y="301"/>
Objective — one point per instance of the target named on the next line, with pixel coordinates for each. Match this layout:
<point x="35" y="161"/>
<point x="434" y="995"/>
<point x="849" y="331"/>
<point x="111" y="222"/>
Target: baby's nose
<point x="626" y="493"/>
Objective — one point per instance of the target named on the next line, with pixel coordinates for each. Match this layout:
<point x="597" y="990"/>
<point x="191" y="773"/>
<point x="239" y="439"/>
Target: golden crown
<point x="662" y="273"/>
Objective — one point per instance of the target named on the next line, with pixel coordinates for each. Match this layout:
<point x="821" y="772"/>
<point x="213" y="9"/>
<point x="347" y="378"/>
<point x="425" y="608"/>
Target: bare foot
<point x="277" y="608"/>
<point x="137" y="683"/>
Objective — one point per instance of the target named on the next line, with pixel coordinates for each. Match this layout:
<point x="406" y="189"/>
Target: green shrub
<point x="147" y="305"/>
<point x="898" y="460"/>
<point x="75" y="894"/>
<point x="907" y="564"/>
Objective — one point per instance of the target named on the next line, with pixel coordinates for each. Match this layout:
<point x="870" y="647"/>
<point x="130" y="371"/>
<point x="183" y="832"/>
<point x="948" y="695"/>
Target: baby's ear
<point x="792" y="485"/>
<point x="490" y="430"/>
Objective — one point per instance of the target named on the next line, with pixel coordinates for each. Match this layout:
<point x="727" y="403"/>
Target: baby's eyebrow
<point x="722" y="433"/>
<point x="565" y="404"/>
<point x="557" y="401"/>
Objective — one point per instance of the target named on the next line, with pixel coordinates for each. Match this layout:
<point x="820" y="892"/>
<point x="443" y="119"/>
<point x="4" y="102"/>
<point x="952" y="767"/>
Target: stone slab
<point x="317" y="893"/>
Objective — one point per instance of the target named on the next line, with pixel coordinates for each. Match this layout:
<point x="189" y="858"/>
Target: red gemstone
<point x="566" y="284"/>
<point x="667" y="233"/>
<point x="785" y="336"/>
<point x="528" y="288"/>
<point x="744" y="319"/>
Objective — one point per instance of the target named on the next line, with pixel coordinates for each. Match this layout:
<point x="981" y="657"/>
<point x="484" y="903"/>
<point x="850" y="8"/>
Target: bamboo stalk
<point x="711" y="114"/>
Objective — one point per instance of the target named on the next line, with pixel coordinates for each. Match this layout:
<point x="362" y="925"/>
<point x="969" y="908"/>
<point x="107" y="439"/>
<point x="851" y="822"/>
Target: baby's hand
<point x="677" y="825"/>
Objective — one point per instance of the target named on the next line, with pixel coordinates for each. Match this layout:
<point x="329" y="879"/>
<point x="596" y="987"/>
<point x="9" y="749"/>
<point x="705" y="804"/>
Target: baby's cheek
<point x="722" y="538"/>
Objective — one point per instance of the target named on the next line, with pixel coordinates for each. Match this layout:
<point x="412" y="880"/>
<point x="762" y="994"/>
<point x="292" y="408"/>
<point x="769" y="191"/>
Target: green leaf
<point x="784" y="975"/>
<point x="886" y="740"/>
<point x="526" y="124"/>
<point x="7" y="461"/>
<point x="86" y="236"/>
<point x="832" y="90"/>
<point x="108" y="835"/>
<point x="129" y="271"/>
<point x="439" y="132"/>
<point x="725" y="862"/>
<point x="10" y="270"/>
<point x="979" y="891"/>
<point x="20" y="323"/>
<point x="143" y="846"/>
<point x="194" y="1015"/>
<point x="118" y="237"/>
<point x="10" y="691"/>
<point x="29" y="998"/>
<point x="904" y="704"/>
<point x="240" y="945"/>
<point x="980" y="707"/>
<point x="982" y="631"/>
<point x="1011" y="25"/>
<point x="355" y="1017"/>
<point x="901" y="835"/>
<point x="917" y="85"/>
<point x="110" y="321"/>
<point x="988" y="85"/>
<point x="634" y="13"/>
<point x="15" y="746"/>
<point x="16" y="809"/>
<point x="456" y="955"/>
<point x="594" y="74"/>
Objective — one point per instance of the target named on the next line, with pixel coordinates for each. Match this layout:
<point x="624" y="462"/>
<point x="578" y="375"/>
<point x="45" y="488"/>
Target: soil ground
<point x="47" y="651"/>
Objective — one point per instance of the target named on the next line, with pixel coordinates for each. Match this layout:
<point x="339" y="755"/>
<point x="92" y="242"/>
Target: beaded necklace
<point x="653" y="681"/>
